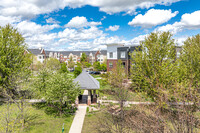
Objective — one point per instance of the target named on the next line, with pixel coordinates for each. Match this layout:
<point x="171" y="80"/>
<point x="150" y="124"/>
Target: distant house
<point x="42" y="55"/>
<point x="39" y="55"/>
<point x="64" y="56"/>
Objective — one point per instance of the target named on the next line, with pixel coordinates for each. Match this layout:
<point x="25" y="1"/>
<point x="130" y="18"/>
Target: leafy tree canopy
<point x="14" y="58"/>
<point x="153" y="64"/>
<point x="53" y="64"/>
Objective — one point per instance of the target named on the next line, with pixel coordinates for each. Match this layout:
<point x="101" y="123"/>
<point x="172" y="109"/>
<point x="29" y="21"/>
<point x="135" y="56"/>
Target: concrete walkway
<point x="77" y="123"/>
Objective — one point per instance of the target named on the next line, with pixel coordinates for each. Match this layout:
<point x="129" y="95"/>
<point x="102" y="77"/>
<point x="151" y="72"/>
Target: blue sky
<point x="89" y="25"/>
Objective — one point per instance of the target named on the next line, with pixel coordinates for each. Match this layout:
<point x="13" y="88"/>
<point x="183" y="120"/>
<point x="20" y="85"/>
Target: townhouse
<point x="64" y="56"/>
<point x="117" y="52"/>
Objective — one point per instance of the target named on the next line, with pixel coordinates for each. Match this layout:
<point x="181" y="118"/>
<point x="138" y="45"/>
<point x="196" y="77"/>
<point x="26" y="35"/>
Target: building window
<point x="101" y="59"/>
<point x="123" y="54"/>
<point x="110" y="64"/>
<point x="123" y="64"/>
<point x="40" y="57"/>
<point x="111" y="54"/>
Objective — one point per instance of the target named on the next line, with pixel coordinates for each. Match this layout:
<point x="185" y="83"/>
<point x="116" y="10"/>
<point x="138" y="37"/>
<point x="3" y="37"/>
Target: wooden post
<point x="89" y="97"/>
<point x="94" y="96"/>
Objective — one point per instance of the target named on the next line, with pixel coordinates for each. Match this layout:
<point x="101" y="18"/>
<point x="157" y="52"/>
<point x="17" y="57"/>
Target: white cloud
<point x="37" y="35"/>
<point x="104" y="17"/>
<point x="137" y="40"/>
<point x="28" y="28"/>
<point x="113" y="28"/>
<point x="80" y="22"/>
<point x="52" y="20"/>
<point x="188" y="21"/>
<point x="180" y="40"/>
<point x="153" y="17"/>
<point x="11" y="20"/>
<point x="31" y="8"/>
<point x="128" y="6"/>
<point x="79" y="35"/>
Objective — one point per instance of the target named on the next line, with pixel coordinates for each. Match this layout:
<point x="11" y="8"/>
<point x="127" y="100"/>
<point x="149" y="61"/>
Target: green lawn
<point x="105" y="90"/>
<point x="43" y="123"/>
<point x="89" y="125"/>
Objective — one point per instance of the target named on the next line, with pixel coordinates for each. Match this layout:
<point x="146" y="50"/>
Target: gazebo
<point x="88" y="82"/>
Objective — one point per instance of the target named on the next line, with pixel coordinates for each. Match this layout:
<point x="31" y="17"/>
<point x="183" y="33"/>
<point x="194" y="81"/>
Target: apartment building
<point x="117" y="52"/>
<point x="64" y="56"/>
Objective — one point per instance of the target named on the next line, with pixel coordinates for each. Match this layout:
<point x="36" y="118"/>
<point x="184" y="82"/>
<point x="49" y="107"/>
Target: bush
<point x="77" y="71"/>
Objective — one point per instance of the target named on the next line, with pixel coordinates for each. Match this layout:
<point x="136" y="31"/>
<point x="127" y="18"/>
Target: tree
<point x="83" y="57"/>
<point x="14" y="71"/>
<point x="63" y="68"/>
<point x="103" y="67"/>
<point x="53" y="64"/>
<point x="172" y="83"/>
<point x="115" y="121"/>
<point x="88" y="65"/>
<point x="186" y="89"/>
<point x="77" y="70"/>
<point x="71" y="63"/>
<point x="153" y="65"/>
<point x="58" y="90"/>
<point x="97" y="66"/>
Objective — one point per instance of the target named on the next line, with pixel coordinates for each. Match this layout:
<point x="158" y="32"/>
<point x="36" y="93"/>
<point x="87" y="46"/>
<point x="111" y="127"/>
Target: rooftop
<point x="86" y="81"/>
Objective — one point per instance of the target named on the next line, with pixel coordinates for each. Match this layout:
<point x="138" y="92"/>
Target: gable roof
<point x="86" y="81"/>
<point x="35" y="51"/>
<point x="104" y="52"/>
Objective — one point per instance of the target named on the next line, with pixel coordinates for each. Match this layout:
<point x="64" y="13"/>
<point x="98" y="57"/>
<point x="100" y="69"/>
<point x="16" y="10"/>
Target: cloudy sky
<point x="90" y="24"/>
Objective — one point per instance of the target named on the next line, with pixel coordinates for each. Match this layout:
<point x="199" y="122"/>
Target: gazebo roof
<point x="86" y="81"/>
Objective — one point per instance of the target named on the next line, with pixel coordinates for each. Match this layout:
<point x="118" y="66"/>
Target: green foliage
<point x="77" y="70"/>
<point x="104" y="67"/>
<point x="63" y="68"/>
<point x="189" y="70"/>
<point x="53" y="64"/>
<point x="14" y="59"/>
<point x="71" y="63"/>
<point x="117" y="75"/>
<point x="97" y="66"/>
<point x="153" y="64"/>
<point x="83" y="57"/>
<point x="88" y="65"/>
<point x="58" y="90"/>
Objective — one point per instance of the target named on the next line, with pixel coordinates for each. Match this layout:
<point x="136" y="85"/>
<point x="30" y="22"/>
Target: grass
<point x="105" y="90"/>
<point x="89" y="125"/>
<point x="43" y="123"/>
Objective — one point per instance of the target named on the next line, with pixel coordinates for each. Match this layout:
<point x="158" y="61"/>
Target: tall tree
<point x="71" y="63"/>
<point x="63" y="68"/>
<point x="77" y="70"/>
<point x="83" y="57"/>
<point x="13" y="60"/>
<point x="187" y="88"/>
<point x="103" y="67"/>
<point x="97" y="66"/>
<point x="14" y="70"/>
<point x="58" y="90"/>
<point x="153" y="65"/>
<point x="53" y="64"/>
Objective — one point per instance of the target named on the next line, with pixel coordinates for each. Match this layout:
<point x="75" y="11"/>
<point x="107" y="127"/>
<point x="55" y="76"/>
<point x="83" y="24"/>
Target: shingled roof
<point x="35" y="51"/>
<point x="104" y="52"/>
<point x="86" y="81"/>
